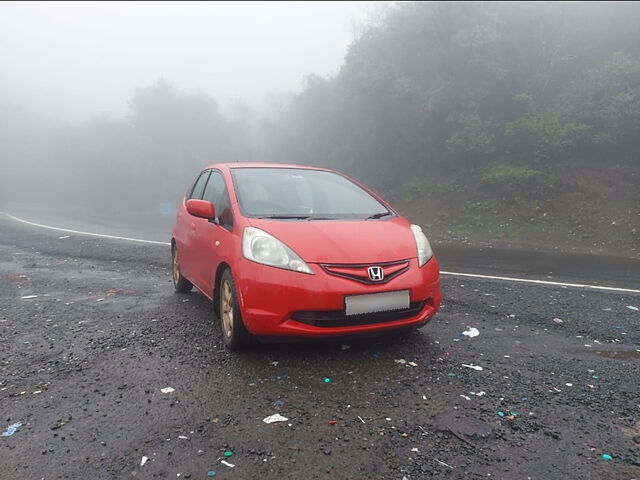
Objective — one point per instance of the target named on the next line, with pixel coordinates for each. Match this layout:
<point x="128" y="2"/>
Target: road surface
<point x="91" y="333"/>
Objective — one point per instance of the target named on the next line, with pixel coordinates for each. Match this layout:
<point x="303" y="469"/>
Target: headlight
<point x="260" y="247"/>
<point x="424" y="249"/>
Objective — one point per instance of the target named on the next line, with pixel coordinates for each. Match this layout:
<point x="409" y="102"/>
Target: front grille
<point x="337" y="318"/>
<point x="359" y="272"/>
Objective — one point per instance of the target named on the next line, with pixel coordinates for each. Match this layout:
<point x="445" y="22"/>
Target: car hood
<point x="344" y="241"/>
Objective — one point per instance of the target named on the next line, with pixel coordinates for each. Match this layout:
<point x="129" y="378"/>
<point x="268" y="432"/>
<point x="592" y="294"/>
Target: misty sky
<point x="74" y="60"/>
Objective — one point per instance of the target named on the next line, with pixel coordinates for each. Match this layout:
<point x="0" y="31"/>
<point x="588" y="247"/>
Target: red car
<point x="294" y="251"/>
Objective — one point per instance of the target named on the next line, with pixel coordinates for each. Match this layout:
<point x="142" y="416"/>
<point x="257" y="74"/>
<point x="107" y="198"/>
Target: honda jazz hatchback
<point x="293" y="251"/>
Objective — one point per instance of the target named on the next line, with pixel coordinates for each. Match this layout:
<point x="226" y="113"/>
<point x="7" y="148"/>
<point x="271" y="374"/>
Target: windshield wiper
<point x="377" y="215"/>
<point x="285" y="217"/>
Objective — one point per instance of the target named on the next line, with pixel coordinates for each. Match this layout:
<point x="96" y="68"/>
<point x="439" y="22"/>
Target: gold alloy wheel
<point x="226" y="309"/>
<point x="176" y="267"/>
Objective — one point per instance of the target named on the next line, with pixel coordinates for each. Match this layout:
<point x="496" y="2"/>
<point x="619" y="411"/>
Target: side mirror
<point x="201" y="208"/>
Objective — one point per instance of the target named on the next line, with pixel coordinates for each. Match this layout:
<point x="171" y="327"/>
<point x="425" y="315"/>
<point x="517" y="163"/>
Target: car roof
<point x="264" y="165"/>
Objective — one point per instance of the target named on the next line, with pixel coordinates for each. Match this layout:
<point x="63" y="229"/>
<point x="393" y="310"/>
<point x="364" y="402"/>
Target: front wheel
<point x="234" y="333"/>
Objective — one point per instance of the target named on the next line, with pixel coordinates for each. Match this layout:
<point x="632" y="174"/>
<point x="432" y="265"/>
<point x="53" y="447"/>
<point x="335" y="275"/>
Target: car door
<point x="186" y="231"/>
<point x="213" y="237"/>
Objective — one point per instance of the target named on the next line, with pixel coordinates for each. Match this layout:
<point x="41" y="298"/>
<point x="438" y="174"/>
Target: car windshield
<point x="300" y="194"/>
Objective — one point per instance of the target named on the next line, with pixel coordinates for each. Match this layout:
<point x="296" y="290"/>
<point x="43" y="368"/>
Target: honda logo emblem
<point x="376" y="274"/>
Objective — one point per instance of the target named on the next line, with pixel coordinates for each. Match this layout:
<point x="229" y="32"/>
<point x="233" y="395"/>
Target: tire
<point x="234" y="333"/>
<point x="180" y="284"/>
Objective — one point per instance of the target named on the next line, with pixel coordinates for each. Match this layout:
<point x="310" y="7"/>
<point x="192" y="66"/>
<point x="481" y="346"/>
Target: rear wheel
<point x="181" y="284"/>
<point x="234" y="333"/>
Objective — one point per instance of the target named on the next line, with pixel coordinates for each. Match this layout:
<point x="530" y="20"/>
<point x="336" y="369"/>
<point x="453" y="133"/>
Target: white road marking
<point x="542" y="282"/>
<point x="454" y="274"/>
<point x="78" y="232"/>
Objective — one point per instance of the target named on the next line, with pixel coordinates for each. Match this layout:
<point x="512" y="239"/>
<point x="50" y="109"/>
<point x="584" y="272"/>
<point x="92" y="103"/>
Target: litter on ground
<point x="275" y="418"/>
<point x="442" y="463"/>
<point x="475" y="367"/>
<point x="11" y="429"/>
<point x="631" y="307"/>
<point x="230" y="465"/>
<point x="472" y="332"/>
<point x="167" y="390"/>
<point x="143" y="461"/>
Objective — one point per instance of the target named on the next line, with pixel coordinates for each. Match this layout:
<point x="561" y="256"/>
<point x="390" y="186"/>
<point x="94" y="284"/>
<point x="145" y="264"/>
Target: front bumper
<point x="277" y="302"/>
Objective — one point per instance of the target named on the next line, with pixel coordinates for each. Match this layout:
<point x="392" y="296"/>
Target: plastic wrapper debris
<point x="275" y="418"/>
<point x="11" y="429"/>
<point x="472" y="332"/>
<point x="474" y="367"/>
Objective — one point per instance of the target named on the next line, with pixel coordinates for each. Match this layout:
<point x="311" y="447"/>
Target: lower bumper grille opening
<point x="337" y="318"/>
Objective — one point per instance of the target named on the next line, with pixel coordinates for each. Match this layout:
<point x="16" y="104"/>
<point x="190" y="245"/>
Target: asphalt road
<point x="91" y="332"/>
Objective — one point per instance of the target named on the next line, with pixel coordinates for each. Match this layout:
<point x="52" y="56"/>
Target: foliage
<point x="544" y="137"/>
<point x="508" y="173"/>
<point x="447" y="86"/>
<point x="474" y="137"/>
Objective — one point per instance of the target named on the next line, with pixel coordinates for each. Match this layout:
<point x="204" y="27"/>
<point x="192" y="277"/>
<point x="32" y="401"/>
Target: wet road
<point x="91" y="332"/>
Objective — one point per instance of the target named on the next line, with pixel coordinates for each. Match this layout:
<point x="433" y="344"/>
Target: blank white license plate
<point x="376" y="302"/>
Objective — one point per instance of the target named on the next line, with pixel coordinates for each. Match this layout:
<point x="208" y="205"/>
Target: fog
<point x="500" y="122"/>
<point x="73" y="60"/>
